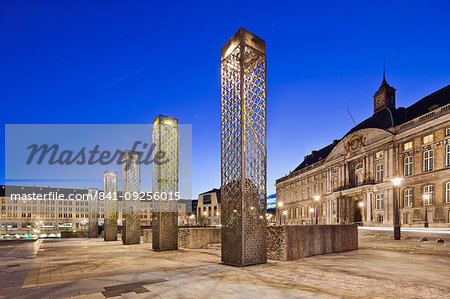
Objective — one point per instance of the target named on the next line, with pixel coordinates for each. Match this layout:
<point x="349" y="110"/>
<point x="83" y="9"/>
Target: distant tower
<point x="243" y="149"/>
<point x="165" y="184"/>
<point x="384" y="97"/>
<point x="111" y="205"/>
<point x="93" y="212"/>
<point x="131" y="181"/>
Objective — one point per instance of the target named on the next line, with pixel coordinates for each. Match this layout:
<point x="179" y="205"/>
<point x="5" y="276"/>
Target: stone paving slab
<point x="91" y="268"/>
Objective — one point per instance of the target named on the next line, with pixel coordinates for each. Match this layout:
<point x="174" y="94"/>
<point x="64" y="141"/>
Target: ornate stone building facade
<point x="350" y="179"/>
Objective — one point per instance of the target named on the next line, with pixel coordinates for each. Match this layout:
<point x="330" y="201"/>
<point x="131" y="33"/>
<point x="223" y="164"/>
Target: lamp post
<point x="311" y="210"/>
<point x="280" y="205"/>
<point x="426" y="198"/>
<point x="316" y="199"/>
<point x="396" y="182"/>
<point x="361" y="205"/>
<point x="285" y="214"/>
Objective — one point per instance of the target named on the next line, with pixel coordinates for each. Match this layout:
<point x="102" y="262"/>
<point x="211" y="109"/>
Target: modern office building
<point x="39" y="215"/>
<point x="209" y="208"/>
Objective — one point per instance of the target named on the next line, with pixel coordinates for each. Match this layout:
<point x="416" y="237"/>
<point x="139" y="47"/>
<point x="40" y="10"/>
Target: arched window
<point x="359" y="173"/>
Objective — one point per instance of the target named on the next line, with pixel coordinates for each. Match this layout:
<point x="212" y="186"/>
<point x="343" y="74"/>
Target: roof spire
<point x="384" y="67"/>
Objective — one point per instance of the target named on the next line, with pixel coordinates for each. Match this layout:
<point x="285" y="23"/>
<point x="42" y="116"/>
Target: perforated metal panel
<point x="111" y="205"/>
<point x="165" y="181"/>
<point x="93" y="213"/>
<point x="131" y="181"/>
<point x="243" y="149"/>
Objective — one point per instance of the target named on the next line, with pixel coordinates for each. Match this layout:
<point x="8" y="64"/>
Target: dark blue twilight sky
<point x="116" y="62"/>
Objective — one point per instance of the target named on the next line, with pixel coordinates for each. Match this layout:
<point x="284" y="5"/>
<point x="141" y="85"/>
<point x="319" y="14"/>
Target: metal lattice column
<point x="243" y="149"/>
<point x="131" y="181"/>
<point x="93" y="213"/>
<point x="165" y="181"/>
<point x="111" y="205"/>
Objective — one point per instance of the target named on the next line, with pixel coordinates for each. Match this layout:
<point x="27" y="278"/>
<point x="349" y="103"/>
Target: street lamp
<point x="316" y="199"/>
<point x="361" y="206"/>
<point x="311" y="210"/>
<point x="280" y="205"/>
<point x="426" y="198"/>
<point x="285" y="214"/>
<point x="396" y="182"/>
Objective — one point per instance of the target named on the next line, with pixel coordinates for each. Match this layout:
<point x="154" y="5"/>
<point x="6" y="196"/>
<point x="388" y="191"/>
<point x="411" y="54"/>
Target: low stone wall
<point x="191" y="237"/>
<point x="147" y="235"/>
<point x="291" y="242"/>
<point x="198" y="237"/>
<point x="72" y="234"/>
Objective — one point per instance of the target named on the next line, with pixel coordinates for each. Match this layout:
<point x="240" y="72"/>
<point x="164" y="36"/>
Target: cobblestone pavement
<point x="92" y="268"/>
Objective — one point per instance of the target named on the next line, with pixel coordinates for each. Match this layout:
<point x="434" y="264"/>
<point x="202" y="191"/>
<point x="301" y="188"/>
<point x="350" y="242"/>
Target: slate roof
<point x="214" y="190"/>
<point x="385" y="119"/>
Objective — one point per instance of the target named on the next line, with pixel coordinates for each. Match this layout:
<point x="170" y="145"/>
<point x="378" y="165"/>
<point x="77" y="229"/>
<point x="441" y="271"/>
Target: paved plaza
<point x="92" y="268"/>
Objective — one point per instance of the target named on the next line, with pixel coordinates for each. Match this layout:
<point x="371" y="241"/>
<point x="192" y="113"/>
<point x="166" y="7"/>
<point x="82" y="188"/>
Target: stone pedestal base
<point x="165" y="231"/>
<point x="131" y="228"/>
<point x="93" y="228"/>
<point x="110" y="231"/>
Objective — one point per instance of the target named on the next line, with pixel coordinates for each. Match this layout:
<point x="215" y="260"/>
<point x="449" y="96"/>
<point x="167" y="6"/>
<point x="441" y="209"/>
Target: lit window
<point x="379" y="202"/>
<point x="447" y="132"/>
<point x="447" y="155"/>
<point x="309" y="179"/>
<point x="428" y="160"/>
<point x="408" y="197"/>
<point x="379" y="155"/>
<point x="303" y="211"/>
<point x="428" y="139"/>
<point x="408" y="165"/>
<point x="324" y="208"/>
<point x="407" y="146"/>
<point x="447" y="192"/>
<point x="336" y="170"/>
<point x="380" y="172"/>
<point x="429" y="189"/>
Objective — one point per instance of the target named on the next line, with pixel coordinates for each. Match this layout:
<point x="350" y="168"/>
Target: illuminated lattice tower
<point x="165" y="184"/>
<point x="111" y="205"/>
<point x="131" y="180"/>
<point x="93" y="212"/>
<point x="243" y="149"/>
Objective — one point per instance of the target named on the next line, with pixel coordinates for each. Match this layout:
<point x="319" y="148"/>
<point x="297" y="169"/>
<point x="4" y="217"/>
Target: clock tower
<point x="384" y="97"/>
